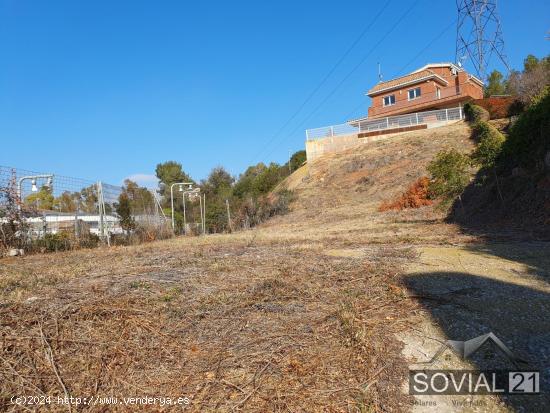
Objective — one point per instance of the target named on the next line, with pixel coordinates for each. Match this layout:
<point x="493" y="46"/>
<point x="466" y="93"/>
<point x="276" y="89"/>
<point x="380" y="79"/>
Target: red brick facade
<point x="441" y="86"/>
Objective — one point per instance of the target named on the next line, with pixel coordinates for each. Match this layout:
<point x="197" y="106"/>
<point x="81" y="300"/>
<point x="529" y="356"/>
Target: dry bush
<point x="415" y="196"/>
<point x="253" y="212"/>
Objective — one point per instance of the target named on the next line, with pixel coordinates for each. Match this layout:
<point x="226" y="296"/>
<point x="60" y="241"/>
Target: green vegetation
<point x="529" y="138"/>
<point x="124" y="211"/>
<point x="518" y="163"/>
<point x="450" y="172"/>
<point x="249" y="197"/>
<point x="43" y="199"/>
<point x="496" y="84"/>
<point x="475" y="113"/>
<point x="54" y="242"/>
<point x="489" y="144"/>
<point x="297" y="160"/>
<point x="525" y="84"/>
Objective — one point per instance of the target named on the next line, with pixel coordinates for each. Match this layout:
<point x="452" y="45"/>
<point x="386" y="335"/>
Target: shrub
<point x="279" y="204"/>
<point x="297" y="160"/>
<point x="529" y="138"/>
<point x="489" y="145"/>
<point x="450" y="172"/>
<point x="416" y="196"/>
<point x="475" y="113"/>
<point x="55" y="242"/>
<point x="253" y="211"/>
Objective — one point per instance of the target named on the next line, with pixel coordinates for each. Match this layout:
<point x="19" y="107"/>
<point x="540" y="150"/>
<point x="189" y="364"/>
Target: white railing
<point x="391" y="122"/>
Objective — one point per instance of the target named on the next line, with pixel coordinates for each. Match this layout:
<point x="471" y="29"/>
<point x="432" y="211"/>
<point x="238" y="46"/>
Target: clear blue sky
<point x="107" y="89"/>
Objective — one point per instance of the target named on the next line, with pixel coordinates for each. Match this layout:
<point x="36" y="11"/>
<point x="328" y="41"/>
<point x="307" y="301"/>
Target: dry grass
<point x="232" y="324"/>
<point x="297" y="315"/>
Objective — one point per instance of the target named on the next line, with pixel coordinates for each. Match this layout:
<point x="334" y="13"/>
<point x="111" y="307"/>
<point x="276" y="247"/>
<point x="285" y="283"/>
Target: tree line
<point x="524" y="84"/>
<point x="246" y="199"/>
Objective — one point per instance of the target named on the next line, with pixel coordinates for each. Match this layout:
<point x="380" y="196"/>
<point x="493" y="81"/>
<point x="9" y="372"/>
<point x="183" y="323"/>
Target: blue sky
<point x="104" y="90"/>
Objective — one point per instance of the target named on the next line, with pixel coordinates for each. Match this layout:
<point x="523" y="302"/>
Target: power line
<point x="435" y="39"/>
<point x="323" y="81"/>
<point x="348" y="116"/>
<point x="400" y="71"/>
<point x="405" y="14"/>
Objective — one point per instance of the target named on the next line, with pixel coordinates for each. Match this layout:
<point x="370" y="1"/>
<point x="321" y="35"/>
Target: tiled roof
<point x="412" y="77"/>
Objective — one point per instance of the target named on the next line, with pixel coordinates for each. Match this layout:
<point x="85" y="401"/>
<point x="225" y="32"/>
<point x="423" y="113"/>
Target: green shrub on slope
<point x="489" y="144"/>
<point x="529" y="138"/>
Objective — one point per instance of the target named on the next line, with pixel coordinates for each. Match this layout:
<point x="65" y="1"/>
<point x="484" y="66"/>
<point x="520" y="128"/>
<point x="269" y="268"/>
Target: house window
<point x="438" y="93"/>
<point x="414" y="93"/>
<point x="389" y="100"/>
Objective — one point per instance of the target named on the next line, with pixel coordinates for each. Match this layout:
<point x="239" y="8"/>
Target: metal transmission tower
<point x="479" y="34"/>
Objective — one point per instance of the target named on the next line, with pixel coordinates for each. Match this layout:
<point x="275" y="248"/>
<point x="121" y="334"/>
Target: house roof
<point x="443" y="64"/>
<point x="411" y="78"/>
<point x="452" y="66"/>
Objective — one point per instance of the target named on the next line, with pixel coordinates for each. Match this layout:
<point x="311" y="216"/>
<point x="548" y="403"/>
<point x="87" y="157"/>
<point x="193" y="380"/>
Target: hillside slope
<point x="344" y="190"/>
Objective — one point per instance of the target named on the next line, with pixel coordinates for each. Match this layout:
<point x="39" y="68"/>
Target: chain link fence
<point x="49" y="211"/>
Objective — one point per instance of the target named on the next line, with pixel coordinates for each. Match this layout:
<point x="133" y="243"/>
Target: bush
<point x="474" y="113"/>
<point x="253" y="211"/>
<point x="416" y="196"/>
<point x="297" y="160"/>
<point x="450" y="172"/>
<point x="489" y="144"/>
<point x="529" y="138"/>
<point x="55" y="242"/>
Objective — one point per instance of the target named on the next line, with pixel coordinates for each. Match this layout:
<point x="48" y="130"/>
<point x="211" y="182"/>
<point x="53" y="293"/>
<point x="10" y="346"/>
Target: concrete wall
<point x="319" y="147"/>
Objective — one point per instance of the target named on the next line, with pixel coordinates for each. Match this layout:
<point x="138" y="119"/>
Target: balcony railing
<point x="391" y="122"/>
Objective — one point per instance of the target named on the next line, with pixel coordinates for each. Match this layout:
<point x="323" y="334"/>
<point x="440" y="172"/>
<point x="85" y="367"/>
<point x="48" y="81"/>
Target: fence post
<point x="332" y="131"/>
<point x="387" y="122"/>
<point x="460" y="110"/>
<point x="417" y="122"/>
<point x="446" y="115"/>
<point x="101" y="207"/>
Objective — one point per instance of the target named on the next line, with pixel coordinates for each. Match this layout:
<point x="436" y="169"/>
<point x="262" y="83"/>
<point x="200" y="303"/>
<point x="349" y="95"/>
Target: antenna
<point x="479" y="34"/>
<point x="379" y="73"/>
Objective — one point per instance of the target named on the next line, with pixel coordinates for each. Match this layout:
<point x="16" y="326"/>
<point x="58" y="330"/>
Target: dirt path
<point x="469" y="291"/>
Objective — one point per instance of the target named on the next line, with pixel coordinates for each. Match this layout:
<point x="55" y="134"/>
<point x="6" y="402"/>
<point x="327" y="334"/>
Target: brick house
<point x="434" y="86"/>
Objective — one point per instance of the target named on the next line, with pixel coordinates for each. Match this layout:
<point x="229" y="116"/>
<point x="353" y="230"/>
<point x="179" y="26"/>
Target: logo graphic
<point x="467" y="348"/>
<point x="520" y="380"/>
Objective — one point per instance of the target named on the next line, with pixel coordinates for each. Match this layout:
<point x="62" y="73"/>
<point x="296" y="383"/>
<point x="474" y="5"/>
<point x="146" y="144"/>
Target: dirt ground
<point x="323" y="309"/>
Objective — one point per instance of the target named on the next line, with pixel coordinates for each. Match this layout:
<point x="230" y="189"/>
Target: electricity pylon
<point x="479" y="35"/>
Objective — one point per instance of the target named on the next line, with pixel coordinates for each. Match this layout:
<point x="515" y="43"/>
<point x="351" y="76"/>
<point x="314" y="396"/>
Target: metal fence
<point x="391" y="122"/>
<point x="54" y="204"/>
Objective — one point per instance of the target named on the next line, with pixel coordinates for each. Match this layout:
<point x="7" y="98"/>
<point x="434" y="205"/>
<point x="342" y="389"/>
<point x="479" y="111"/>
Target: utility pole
<point x="181" y="184"/>
<point x="184" y="216"/>
<point x="228" y="216"/>
<point x="289" y="169"/>
<point x="202" y="214"/>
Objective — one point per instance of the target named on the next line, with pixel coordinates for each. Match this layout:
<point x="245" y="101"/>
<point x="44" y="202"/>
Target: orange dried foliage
<point x="414" y="197"/>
